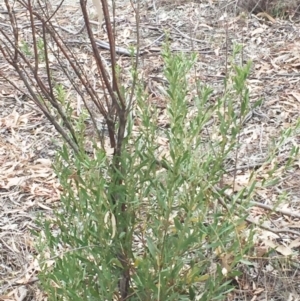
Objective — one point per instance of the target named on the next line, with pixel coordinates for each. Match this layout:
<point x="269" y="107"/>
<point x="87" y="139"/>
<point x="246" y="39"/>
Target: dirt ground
<point x="210" y="28"/>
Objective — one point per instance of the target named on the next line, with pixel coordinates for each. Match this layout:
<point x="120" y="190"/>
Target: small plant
<point x="179" y="244"/>
<point x="150" y="220"/>
<point x="41" y="49"/>
<point x="26" y="49"/>
<point x="24" y="46"/>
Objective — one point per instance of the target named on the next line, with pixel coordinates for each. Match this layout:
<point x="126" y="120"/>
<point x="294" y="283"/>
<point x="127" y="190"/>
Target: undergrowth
<point x="154" y="219"/>
<point x="182" y="235"/>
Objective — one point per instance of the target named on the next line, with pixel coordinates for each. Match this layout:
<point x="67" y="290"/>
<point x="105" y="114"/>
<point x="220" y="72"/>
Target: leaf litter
<point x="209" y="28"/>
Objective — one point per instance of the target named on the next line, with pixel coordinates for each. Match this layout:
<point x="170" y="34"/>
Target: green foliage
<point x="280" y="9"/>
<point x="26" y="48"/>
<point x="182" y="234"/>
<point x="41" y="49"/>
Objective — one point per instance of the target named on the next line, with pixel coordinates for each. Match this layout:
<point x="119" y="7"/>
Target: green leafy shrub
<point x="159" y="217"/>
<point x="180" y="234"/>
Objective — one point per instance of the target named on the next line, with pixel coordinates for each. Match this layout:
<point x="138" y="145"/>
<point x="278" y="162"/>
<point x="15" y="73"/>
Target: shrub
<point x="178" y="237"/>
<point x="154" y="219"/>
